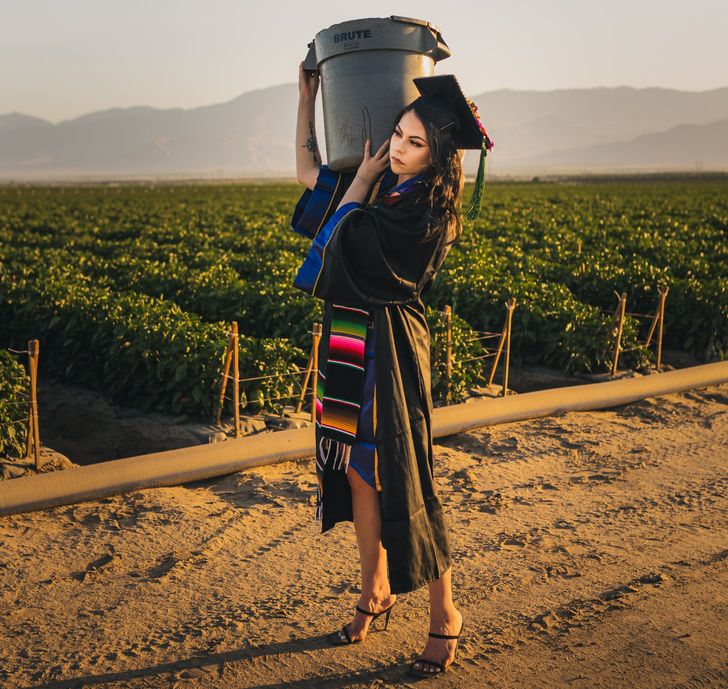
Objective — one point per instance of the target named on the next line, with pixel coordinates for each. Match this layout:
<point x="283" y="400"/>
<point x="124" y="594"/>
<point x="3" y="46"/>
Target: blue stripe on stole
<point x="369" y="446"/>
<point x="312" y="206"/>
<point x="309" y="272"/>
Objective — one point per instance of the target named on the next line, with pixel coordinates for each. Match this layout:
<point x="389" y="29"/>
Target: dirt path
<point x="590" y="551"/>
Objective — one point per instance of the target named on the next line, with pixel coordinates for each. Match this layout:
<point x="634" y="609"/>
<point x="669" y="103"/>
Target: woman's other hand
<point x="373" y="165"/>
<point x="307" y="83"/>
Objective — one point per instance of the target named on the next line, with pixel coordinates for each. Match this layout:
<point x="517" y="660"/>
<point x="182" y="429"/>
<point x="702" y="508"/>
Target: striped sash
<point x="340" y="391"/>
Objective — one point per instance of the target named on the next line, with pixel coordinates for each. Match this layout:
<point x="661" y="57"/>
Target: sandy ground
<point x="590" y="551"/>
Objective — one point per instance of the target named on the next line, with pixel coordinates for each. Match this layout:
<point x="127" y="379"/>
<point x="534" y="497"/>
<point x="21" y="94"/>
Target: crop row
<point x="146" y="352"/>
<point x="13" y="405"/>
<point x="139" y="350"/>
<point x="115" y="263"/>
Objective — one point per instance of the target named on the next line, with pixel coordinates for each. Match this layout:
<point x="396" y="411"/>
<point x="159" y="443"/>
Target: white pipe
<point x="173" y="467"/>
<point x="487" y="412"/>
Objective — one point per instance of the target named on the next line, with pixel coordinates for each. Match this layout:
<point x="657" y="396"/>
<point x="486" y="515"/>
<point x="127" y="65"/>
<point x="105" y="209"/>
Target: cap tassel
<point x="473" y="210"/>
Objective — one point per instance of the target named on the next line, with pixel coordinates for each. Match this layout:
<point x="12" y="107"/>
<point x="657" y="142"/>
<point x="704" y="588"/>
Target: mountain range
<point x="620" y="129"/>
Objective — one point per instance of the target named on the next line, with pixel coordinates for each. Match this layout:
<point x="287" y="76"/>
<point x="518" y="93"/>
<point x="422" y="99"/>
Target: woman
<point x="371" y="263"/>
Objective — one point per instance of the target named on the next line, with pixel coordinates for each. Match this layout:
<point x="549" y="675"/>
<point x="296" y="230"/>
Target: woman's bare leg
<point x="445" y="618"/>
<point x="375" y="591"/>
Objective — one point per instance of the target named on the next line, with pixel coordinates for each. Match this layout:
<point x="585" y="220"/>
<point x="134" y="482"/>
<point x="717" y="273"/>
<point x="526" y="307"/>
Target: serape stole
<point x="339" y="392"/>
<point x="344" y="379"/>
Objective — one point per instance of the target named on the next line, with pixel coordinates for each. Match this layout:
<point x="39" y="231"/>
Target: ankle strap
<point x="443" y="636"/>
<point x="366" y="612"/>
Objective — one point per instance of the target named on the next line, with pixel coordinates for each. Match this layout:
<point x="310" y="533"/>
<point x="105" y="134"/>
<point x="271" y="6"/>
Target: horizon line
<point x="293" y="84"/>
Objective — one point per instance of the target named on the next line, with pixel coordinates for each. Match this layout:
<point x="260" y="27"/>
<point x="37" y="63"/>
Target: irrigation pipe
<point x="173" y="467"/>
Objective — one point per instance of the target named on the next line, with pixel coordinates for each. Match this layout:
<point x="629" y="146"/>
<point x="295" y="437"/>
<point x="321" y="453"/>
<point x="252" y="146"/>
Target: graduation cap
<point x="470" y="131"/>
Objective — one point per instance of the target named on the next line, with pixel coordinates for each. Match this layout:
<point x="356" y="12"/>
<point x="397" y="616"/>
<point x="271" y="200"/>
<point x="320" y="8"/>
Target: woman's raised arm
<point x="308" y="157"/>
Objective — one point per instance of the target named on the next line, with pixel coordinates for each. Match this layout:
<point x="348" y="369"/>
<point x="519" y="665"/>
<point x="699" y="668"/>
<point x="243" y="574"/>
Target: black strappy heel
<point x="414" y="672"/>
<point x="336" y="640"/>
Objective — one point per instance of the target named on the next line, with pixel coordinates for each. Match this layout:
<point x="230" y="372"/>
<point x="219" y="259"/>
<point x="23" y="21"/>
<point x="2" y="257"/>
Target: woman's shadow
<point x="214" y="670"/>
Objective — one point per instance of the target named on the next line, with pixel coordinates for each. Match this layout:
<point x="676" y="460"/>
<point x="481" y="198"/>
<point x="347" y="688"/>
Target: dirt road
<point x="591" y="551"/>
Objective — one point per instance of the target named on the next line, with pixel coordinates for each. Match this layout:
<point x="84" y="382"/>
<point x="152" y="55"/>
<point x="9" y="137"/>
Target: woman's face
<point x="409" y="150"/>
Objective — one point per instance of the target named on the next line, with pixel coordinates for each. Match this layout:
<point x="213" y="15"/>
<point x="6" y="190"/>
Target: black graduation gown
<point x="374" y="257"/>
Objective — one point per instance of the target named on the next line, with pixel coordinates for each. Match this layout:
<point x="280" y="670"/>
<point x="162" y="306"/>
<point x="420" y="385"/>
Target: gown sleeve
<point x="369" y="256"/>
<point x="317" y="205"/>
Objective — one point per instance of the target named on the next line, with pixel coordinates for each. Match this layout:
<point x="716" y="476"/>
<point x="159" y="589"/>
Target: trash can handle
<point x="309" y="63"/>
<point x="442" y="51"/>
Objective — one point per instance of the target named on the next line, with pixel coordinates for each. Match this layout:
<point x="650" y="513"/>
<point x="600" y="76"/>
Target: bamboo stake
<point x="236" y="379"/>
<point x="309" y="371"/>
<point x="663" y="297"/>
<point x="653" y="325"/>
<point x="226" y="373"/>
<point x="448" y="350"/>
<point x="316" y="339"/>
<point x="510" y="305"/>
<point x="658" y="318"/>
<point x="501" y="342"/>
<point x="618" y="315"/>
<point x="33" y="443"/>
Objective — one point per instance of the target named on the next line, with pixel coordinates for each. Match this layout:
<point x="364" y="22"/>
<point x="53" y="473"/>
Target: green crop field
<point x="131" y="289"/>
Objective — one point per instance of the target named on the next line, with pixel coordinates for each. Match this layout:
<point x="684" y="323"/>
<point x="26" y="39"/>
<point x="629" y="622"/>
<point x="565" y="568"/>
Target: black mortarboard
<point x="470" y="131"/>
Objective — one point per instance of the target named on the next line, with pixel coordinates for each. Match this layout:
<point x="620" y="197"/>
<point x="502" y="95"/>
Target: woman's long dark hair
<point x="445" y="176"/>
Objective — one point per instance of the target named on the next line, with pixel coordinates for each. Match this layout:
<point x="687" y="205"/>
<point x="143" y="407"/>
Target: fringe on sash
<point x="340" y="459"/>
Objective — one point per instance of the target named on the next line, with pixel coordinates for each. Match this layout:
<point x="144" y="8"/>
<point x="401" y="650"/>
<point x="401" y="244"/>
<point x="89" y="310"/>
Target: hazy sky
<point x="63" y="58"/>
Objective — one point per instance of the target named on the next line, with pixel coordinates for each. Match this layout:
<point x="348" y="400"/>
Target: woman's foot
<point x="360" y="624"/>
<point x="440" y="650"/>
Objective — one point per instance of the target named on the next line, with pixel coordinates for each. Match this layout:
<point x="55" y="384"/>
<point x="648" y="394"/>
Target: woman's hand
<point x="307" y="83"/>
<point x="373" y="165"/>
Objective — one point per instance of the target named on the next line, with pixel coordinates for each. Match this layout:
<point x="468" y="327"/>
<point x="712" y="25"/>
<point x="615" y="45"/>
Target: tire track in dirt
<point x="555" y="543"/>
<point x="578" y="613"/>
<point x="176" y="567"/>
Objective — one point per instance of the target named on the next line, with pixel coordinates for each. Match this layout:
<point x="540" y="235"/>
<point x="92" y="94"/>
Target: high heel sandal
<point x="336" y="640"/>
<point x="414" y="672"/>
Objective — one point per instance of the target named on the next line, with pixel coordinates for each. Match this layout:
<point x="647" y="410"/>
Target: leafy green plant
<point x="141" y="351"/>
<point x="14" y="384"/>
<point x="465" y="372"/>
<point x="131" y="288"/>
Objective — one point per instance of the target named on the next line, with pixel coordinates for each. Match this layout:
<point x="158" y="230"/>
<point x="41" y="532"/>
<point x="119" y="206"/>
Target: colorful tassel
<point x="473" y="210"/>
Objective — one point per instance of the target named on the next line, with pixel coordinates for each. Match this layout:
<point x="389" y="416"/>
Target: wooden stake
<point x="653" y="325"/>
<point x="501" y="342"/>
<point x="510" y="305"/>
<point x="33" y="444"/>
<point x="304" y="387"/>
<point x="618" y="316"/>
<point x="663" y="297"/>
<point x="448" y="350"/>
<point x="309" y="371"/>
<point x="236" y="379"/>
<point x="317" y="329"/>
<point x="658" y="319"/>
<point x="225" y="374"/>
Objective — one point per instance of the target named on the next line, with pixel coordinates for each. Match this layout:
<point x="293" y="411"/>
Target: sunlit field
<point x="131" y="289"/>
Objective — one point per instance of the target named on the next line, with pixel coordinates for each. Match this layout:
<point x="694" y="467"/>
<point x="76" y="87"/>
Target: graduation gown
<point x="375" y="257"/>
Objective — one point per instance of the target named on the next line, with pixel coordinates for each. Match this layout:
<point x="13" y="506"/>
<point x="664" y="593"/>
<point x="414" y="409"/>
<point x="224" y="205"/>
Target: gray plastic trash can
<point x="366" y="68"/>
